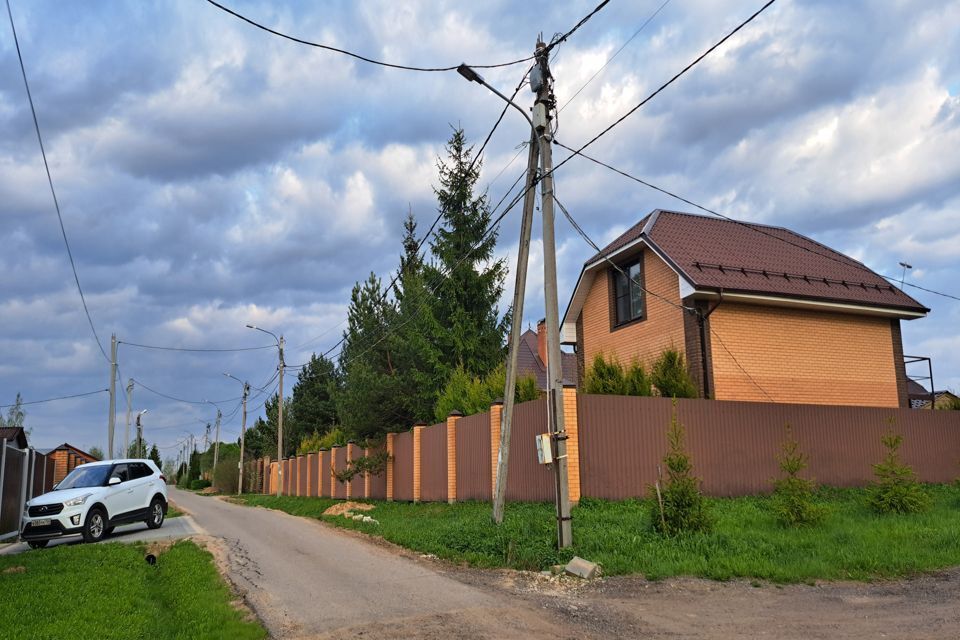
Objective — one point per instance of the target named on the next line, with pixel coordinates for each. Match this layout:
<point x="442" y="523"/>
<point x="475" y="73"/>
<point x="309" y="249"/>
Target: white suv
<point x="94" y="498"/>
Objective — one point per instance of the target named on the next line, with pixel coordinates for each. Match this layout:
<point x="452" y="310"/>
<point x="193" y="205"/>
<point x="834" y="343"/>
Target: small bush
<point x="312" y="443"/>
<point x="470" y="394"/>
<point x="199" y="484"/>
<point x="226" y="474"/>
<point x="896" y="489"/>
<point x="683" y="506"/>
<point x="670" y="376"/>
<point x="609" y="378"/>
<point x="792" y="502"/>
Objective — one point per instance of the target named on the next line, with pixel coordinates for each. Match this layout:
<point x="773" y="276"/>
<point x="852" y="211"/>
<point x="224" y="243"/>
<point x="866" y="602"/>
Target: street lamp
<point x="243" y="430"/>
<point x="903" y="273"/>
<point x="216" y="442"/>
<point x="140" y="452"/>
<point x="280" y="367"/>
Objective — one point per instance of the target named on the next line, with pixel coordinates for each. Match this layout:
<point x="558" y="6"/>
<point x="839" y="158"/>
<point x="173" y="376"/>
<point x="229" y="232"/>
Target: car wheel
<point x="37" y="544"/>
<point x="156" y="514"/>
<point x="95" y="528"/>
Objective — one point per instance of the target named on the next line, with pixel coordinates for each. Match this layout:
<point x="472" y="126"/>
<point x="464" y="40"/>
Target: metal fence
<point x="24" y="473"/>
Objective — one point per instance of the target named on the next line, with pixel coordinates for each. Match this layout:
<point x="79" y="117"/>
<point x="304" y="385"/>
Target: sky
<point x="211" y="175"/>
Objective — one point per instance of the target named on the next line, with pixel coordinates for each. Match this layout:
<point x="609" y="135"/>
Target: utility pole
<point x="141" y="449"/>
<point x="509" y="391"/>
<point x="126" y="430"/>
<point x="542" y="108"/>
<point x="216" y="443"/>
<point x="280" y="424"/>
<point x="243" y="433"/>
<point x="112" y="416"/>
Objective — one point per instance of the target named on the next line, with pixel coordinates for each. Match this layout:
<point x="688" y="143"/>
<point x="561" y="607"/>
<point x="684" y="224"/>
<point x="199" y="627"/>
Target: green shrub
<point x="470" y="394"/>
<point x="792" y="502"/>
<point x="680" y="507"/>
<point x="312" y="443"/>
<point x="896" y="489"/>
<point x="670" y="376"/>
<point x="199" y="484"/>
<point x="226" y="474"/>
<point x="609" y="378"/>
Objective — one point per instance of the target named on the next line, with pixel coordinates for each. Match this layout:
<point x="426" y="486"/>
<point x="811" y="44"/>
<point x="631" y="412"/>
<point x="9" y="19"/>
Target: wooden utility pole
<point x="509" y="391"/>
<point x="542" y="119"/>
<point x="112" y="416"/>
<point x="126" y="430"/>
<point x="280" y="344"/>
<point x="216" y="443"/>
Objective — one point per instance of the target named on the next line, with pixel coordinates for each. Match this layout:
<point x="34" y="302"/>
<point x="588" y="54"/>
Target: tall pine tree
<point x="313" y="403"/>
<point x="470" y="281"/>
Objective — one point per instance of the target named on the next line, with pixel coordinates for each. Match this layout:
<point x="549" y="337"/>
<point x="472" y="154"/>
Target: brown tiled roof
<point x="529" y="362"/>
<point x="14" y="433"/>
<point x="744" y="257"/>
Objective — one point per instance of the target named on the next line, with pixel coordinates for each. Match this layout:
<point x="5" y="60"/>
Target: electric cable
<point x="357" y="55"/>
<point x="56" y="202"/>
<point x="197" y="350"/>
<point x="76" y="395"/>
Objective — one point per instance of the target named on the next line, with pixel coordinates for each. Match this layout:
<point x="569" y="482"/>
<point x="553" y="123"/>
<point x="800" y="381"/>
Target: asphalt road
<point x="173" y="528"/>
<point x="305" y="579"/>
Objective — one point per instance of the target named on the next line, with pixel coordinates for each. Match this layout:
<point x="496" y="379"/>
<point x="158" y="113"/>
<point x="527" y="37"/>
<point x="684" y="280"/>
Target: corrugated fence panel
<point x="433" y="463"/>
<point x="473" y="458"/>
<point x="378" y="483"/>
<point x="325" y="474"/>
<point x="302" y="475"/>
<point x="528" y="480"/>
<point x="734" y="445"/>
<point x="287" y="477"/>
<point x="356" y="485"/>
<point x="340" y="460"/>
<point x="403" y="466"/>
<point x="313" y="471"/>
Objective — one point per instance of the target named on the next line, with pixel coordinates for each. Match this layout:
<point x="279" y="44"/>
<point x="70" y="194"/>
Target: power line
<point x="582" y="22"/>
<point x="176" y="399"/>
<point x="849" y="262"/>
<point x="664" y="85"/>
<point x="197" y="350"/>
<point x="56" y="203"/>
<point x="681" y="307"/>
<point x="615" y="54"/>
<point x="357" y="55"/>
<point x="76" y="395"/>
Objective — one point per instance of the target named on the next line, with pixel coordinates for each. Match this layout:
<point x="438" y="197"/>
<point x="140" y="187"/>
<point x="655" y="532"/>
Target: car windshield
<point x="84" y="476"/>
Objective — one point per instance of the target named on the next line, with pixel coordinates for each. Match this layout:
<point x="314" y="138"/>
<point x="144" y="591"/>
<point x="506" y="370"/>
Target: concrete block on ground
<point x="582" y="568"/>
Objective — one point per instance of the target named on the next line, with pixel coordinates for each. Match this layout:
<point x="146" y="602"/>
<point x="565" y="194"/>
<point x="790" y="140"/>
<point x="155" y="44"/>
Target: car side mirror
<point x="113" y="480"/>
<point x="55" y="485"/>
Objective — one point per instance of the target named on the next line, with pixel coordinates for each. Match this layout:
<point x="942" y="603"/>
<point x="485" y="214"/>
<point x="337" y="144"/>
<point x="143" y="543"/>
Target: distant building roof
<point x="16" y="434"/>
<point x="529" y="362"/>
<point x="69" y="447"/>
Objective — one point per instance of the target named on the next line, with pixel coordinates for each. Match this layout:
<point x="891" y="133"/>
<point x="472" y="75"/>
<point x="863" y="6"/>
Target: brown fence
<point x="378" y="483"/>
<point x="340" y="462"/>
<point x="325" y="473"/>
<point x="433" y="463"/>
<point x="734" y="444"/>
<point x="25" y="474"/>
<point x="403" y="466"/>
<point x="473" y="458"/>
<point x="527" y="480"/>
<point x="357" y="483"/>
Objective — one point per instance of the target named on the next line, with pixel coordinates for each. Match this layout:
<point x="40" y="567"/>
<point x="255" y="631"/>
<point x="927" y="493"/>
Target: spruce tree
<point x="470" y="280"/>
<point x="312" y="402"/>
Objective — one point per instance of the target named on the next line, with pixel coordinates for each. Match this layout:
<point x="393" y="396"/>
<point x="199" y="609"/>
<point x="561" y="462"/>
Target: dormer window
<point x="628" y="292"/>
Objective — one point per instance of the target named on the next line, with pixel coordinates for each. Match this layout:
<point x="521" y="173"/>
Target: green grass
<point x="108" y="591"/>
<point x="852" y="543"/>
<point x="173" y="512"/>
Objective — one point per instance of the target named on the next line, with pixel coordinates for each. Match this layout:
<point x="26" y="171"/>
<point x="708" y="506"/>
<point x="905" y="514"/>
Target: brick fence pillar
<point x="366" y="476"/>
<point x="496" y="415"/>
<point x="350" y="447"/>
<point x="310" y="457"/>
<point x="452" y="455"/>
<point x="390" y="466"/>
<point x="417" y="430"/>
<point x="267" y="469"/>
<point x="572" y="426"/>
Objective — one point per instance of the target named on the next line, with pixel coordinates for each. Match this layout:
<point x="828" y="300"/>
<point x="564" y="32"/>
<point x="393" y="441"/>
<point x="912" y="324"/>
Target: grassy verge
<point x="108" y="591"/>
<point x="173" y="512"/>
<point x="747" y="542"/>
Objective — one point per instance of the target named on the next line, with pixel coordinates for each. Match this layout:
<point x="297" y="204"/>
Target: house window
<point x="627" y="293"/>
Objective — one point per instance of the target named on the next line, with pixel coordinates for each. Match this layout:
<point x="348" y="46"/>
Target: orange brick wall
<point x="572" y="427"/>
<point x="805" y="357"/>
<point x="645" y="340"/>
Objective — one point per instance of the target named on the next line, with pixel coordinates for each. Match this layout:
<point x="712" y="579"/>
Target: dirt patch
<point x="218" y="549"/>
<point x="209" y="491"/>
<point x="159" y="546"/>
<point x="342" y="507"/>
<point x="15" y="570"/>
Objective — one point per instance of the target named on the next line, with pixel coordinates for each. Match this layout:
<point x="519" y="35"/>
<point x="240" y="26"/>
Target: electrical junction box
<point x="544" y="450"/>
<point x="539" y="116"/>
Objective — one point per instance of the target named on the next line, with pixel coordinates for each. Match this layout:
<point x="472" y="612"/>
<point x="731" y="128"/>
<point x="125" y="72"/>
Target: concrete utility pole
<point x="141" y="449"/>
<point x="243" y="433"/>
<point x="216" y="443"/>
<point x="126" y="430"/>
<point x="112" y="416"/>
<point x="280" y="423"/>
<point x="542" y="108"/>
<point x="516" y="327"/>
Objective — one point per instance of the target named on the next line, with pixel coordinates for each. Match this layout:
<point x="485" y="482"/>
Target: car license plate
<point x="42" y="522"/>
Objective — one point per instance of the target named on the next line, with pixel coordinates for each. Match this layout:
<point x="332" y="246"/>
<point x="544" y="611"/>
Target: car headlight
<point x="75" y="502"/>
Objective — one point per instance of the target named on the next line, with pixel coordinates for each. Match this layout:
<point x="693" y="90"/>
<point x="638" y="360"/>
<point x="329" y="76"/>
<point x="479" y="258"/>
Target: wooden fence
<point x="616" y="442"/>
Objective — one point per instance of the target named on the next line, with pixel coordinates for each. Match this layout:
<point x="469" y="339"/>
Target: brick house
<point x="761" y="313"/>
